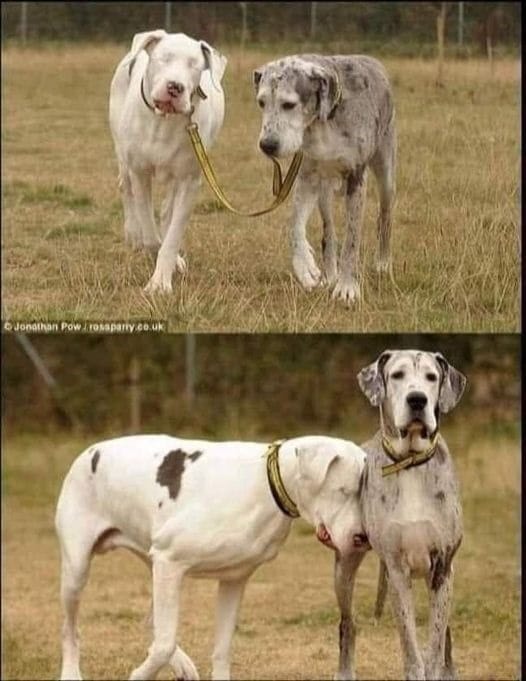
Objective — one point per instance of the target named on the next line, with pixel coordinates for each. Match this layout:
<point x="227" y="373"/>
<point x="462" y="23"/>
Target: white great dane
<point x="203" y="509"/>
<point x="155" y="88"/>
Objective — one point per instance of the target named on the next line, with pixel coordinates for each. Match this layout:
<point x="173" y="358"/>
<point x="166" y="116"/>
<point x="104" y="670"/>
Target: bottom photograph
<point x="261" y="506"/>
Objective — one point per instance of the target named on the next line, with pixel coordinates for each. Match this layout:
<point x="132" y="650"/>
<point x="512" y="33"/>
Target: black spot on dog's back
<point x="170" y="472"/>
<point x="194" y="455"/>
<point x="95" y="460"/>
<point x="440" y="495"/>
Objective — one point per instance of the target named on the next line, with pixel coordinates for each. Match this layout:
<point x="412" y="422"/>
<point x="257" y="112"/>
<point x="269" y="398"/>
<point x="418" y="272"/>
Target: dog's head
<point x="412" y="388"/>
<point x="175" y="65"/>
<point x="292" y="93"/>
<point x="328" y="493"/>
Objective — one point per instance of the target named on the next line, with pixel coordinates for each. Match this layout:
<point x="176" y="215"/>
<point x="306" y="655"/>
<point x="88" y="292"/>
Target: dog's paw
<point x="180" y="264"/>
<point x="159" y="283"/>
<point x="183" y="667"/>
<point x="383" y="265"/>
<point x="346" y="290"/>
<point x="307" y="272"/>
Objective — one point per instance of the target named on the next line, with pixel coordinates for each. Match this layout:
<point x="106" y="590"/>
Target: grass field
<point x="288" y="623"/>
<point x="455" y="241"/>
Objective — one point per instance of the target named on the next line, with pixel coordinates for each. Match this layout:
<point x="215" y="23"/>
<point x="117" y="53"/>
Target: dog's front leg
<point x="347" y="286"/>
<point x="344" y="577"/>
<point x="229" y="597"/>
<point x="167" y="579"/>
<point x="142" y="208"/>
<point x="402" y="601"/>
<point x="303" y="262"/>
<point x="438" y="657"/>
<point x="168" y="258"/>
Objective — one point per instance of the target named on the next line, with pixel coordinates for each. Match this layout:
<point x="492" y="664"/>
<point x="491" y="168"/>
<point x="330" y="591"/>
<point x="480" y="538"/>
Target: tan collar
<point x="411" y="459"/>
<point x="275" y="482"/>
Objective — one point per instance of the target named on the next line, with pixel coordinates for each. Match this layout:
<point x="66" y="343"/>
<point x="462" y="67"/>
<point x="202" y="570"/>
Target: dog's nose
<point x="417" y="401"/>
<point x="269" y="145"/>
<point x="174" y="88"/>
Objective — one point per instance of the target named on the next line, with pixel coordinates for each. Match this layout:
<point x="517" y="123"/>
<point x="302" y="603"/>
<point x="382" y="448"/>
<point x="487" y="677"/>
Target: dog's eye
<point x="397" y="375"/>
<point x="431" y="377"/>
<point x="261" y="103"/>
<point x="288" y="105"/>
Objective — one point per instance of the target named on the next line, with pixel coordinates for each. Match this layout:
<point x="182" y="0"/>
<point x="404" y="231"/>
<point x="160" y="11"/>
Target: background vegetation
<point x="403" y="28"/>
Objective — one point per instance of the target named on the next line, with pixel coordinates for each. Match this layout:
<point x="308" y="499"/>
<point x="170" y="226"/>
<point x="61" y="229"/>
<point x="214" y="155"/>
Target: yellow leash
<point x="280" y="188"/>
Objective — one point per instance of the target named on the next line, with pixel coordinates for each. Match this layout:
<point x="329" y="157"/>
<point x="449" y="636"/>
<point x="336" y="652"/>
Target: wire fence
<point x="390" y="26"/>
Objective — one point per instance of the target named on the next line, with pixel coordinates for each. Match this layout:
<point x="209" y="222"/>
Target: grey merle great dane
<point x="339" y="111"/>
<point x="410" y="505"/>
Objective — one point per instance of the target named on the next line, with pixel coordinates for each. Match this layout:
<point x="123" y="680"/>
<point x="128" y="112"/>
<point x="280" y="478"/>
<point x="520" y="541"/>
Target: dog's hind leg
<point x="383" y="165"/>
<point x="329" y="244"/>
<point x="76" y="544"/>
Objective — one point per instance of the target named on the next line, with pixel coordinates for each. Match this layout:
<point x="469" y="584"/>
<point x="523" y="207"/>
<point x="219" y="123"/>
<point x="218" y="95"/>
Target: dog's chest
<point x="331" y="144"/>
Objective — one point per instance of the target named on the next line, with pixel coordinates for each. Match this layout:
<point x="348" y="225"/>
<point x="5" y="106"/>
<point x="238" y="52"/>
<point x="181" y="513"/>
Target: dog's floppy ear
<point x="452" y="385"/>
<point x="371" y="379"/>
<point x="215" y="62"/>
<point x="314" y="462"/>
<point x="327" y="91"/>
<point x="256" y="78"/>
<point x="146" y="40"/>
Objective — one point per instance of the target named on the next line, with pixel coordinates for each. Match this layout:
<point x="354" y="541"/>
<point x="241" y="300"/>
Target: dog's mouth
<point x="324" y="536"/>
<point x="416" y="427"/>
<point x="167" y="106"/>
<point x="359" y="540"/>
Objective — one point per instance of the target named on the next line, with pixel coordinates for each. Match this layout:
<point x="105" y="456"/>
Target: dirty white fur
<point x="196" y="508"/>
<point x="154" y="144"/>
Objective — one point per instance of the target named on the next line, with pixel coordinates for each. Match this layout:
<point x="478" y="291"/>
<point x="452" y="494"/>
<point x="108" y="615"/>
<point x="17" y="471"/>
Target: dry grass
<point x="456" y="254"/>
<point x="288" y="623"/>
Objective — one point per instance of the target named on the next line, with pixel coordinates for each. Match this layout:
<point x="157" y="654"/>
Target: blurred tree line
<point x="257" y="384"/>
<point x="387" y="27"/>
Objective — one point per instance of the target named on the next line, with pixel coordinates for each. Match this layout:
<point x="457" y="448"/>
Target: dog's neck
<point x="285" y="475"/>
<point x="403" y="445"/>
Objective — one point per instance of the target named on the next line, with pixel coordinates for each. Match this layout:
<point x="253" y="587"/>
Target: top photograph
<point x="261" y="167"/>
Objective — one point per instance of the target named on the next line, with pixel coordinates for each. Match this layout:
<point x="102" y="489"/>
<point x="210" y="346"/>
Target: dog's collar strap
<point x="338" y="97"/>
<point x="144" y="97"/>
<point x="279" y="492"/>
<point x="198" y="91"/>
<point x="409" y="461"/>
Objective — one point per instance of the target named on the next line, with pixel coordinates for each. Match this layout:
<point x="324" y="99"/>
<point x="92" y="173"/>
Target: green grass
<point x="455" y="238"/>
<point x="288" y="621"/>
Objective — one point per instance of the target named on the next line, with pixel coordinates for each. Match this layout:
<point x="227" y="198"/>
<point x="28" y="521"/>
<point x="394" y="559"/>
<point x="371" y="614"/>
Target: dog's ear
<point x="215" y="62"/>
<point x="256" y="78"/>
<point x="452" y="385"/>
<point x="314" y="462"/>
<point x="146" y="40"/>
<point x="371" y="379"/>
<point x="327" y="90"/>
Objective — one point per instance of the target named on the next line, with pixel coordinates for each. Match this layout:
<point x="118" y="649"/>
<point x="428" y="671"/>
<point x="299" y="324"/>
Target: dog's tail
<point x="381" y="592"/>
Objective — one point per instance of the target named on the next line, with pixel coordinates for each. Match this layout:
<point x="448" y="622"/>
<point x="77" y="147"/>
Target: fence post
<point x="189" y="368"/>
<point x="313" y="24"/>
<point x="135" y="395"/>
<point x="168" y="16"/>
<point x="23" y="22"/>
<point x="460" y="23"/>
